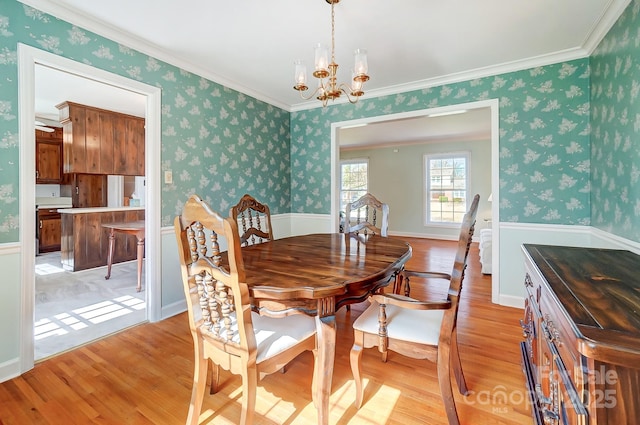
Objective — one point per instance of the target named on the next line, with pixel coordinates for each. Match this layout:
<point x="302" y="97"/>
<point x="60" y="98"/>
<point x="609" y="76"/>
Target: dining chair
<point x="226" y="332"/>
<point x="255" y="219"/>
<point x="367" y="215"/>
<point x="419" y="328"/>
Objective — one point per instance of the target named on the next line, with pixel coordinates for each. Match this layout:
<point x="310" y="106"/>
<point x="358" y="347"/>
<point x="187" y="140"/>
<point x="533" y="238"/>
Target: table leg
<point x="140" y="256"/>
<point x="323" y="372"/>
<point x="112" y="240"/>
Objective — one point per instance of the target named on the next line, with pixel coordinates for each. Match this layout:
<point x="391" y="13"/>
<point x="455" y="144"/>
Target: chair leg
<point x="249" y="390"/>
<point x="444" y="380"/>
<point x="457" y="365"/>
<point x="197" y="392"/>
<point x="213" y="376"/>
<point x="355" y="359"/>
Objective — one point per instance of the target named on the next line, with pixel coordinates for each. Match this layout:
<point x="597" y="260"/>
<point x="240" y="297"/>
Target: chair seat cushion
<point x="420" y="326"/>
<point x="275" y="335"/>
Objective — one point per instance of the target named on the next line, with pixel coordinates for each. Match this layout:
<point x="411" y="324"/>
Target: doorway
<point x="74" y="308"/>
<point x="492" y="105"/>
<point x="28" y="59"/>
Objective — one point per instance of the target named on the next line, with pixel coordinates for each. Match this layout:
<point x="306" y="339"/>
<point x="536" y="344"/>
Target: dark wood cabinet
<point x="98" y="141"/>
<point x="49" y="156"/>
<point x="88" y="190"/>
<point x="85" y="242"/>
<point x="49" y="230"/>
<point x="581" y="353"/>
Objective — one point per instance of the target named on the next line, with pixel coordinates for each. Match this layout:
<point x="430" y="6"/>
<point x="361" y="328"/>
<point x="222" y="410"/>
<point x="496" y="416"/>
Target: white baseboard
<point x="173" y="309"/>
<point x="9" y="369"/>
<point x="511" y="301"/>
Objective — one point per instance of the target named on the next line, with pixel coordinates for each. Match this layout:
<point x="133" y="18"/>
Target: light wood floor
<point x="143" y="375"/>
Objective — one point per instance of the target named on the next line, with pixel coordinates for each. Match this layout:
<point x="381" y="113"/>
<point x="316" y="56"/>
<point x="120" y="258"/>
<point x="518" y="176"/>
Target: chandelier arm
<point x="351" y="96"/>
<point x="313" y="94"/>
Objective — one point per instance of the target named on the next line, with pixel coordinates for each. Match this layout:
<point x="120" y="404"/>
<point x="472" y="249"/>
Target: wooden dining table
<point x="317" y="274"/>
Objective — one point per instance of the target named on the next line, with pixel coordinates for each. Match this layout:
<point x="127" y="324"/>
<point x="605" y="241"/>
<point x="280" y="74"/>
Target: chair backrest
<point x="366" y="215"/>
<point x="254" y="219"/>
<point x="218" y="300"/>
<point x="459" y="266"/>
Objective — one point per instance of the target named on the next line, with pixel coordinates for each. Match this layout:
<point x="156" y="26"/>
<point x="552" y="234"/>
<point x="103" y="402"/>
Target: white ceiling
<point x="250" y="45"/>
<point x="53" y="87"/>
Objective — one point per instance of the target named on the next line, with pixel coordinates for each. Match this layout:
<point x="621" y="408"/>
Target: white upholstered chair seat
<point x="420" y="326"/>
<point x="273" y="336"/>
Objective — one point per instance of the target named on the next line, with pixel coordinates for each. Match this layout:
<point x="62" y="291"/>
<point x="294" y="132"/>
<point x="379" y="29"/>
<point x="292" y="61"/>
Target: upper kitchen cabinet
<point x="49" y="156"/>
<point x="97" y="141"/>
<point x="128" y="146"/>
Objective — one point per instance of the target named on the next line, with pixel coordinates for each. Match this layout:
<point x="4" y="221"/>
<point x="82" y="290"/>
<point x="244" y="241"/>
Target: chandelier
<point x="325" y="72"/>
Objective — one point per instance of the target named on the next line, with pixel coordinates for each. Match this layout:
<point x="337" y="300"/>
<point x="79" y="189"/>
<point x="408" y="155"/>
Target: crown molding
<point x="606" y="22"/>
<point x="489" y="71"/>
<point x="600" y="29"/>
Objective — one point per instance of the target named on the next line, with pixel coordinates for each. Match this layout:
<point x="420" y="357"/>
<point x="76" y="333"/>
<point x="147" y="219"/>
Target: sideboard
<point x="581" y="348"/>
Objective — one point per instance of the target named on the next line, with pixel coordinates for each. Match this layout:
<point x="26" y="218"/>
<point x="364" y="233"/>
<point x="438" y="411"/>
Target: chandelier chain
<point x="333" y="33"/>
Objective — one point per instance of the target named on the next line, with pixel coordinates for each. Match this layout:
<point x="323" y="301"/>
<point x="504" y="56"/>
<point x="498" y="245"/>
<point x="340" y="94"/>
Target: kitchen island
<point x="85" y="242"/>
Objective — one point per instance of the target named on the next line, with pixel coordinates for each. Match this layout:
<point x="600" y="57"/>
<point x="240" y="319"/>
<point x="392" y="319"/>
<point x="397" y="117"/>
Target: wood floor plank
<point x="143" y="375"/>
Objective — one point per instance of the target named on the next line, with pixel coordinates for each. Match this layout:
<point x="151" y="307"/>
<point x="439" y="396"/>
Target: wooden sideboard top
<point x="600" y="291"/>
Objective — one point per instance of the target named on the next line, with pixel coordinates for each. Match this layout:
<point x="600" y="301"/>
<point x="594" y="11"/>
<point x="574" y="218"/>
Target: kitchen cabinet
<point x="88" y="190"/>
<point x="49" y="157"/>
<point x="128" y="147"/>
<point x="85" y="243"/>
<point x="49" y="230"/>
<point x="97" y="141"/>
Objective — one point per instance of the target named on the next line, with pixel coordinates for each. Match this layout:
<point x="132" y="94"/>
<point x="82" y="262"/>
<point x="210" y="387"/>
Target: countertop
<point x="53" y="202"/>
<point x="98" y="209"/>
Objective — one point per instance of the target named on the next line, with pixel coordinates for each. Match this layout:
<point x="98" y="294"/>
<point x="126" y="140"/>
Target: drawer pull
<point x="550" y="417"/>
<point x="541" y="398"/>
<point x="527" y="281"/>
<point x="526" y="328"/>
<point x="551" y="332"/>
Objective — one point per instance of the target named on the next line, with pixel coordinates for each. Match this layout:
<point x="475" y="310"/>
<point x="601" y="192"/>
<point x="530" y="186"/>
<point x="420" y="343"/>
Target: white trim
<point x="542" y="227"/>
<point x="426" y="181"/>
<point x="511" y="301"/>
<point x="28" y="58"/>
<point x="612" y="13"/>
<point x="10" y="248"/>
<point x="10" y="369"/>
<point x="615" y="240"/>
<point x="174" y="309"/>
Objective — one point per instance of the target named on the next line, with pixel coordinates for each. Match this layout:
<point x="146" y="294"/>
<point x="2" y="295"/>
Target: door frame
<point x="28" y="58"/>
<point x="494" y="106"/>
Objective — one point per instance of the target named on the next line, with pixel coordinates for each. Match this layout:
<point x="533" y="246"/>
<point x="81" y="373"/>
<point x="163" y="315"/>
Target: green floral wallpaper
<point x="219" y="143"/>
<point x="615" y="118"/>
<point x="544" y="141"/>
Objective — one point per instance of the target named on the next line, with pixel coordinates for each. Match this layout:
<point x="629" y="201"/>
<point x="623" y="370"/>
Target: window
<point x="446" y="182"/>
<point x="354" y="180"/>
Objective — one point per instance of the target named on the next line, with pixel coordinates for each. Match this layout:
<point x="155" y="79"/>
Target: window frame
<point x="427" y="189"/>
<point x="342" y="207"/>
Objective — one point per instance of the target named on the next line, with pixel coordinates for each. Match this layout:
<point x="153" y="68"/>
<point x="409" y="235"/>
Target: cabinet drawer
<point x="560" y="333"/>
<point x="48" y="213"/>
